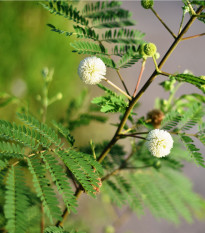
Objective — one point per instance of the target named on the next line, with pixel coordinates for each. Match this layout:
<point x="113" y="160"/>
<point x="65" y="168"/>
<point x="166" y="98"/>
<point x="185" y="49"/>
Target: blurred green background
<point x="27" y="46"/>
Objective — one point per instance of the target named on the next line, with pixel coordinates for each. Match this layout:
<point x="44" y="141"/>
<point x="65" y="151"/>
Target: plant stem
<point x="192" y="37"/>
<point x="116" y="87"/>
<point x="131" y="135"/>
<point x="123" y="83"/>
<point x="133" y="102"/>
<point x="139" y="78"/>
<point x="168" y="29"/>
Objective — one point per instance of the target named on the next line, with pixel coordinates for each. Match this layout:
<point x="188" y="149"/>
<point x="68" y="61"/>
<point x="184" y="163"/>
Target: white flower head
<point x="159" y="142"/>
<point x="92" y="70"/>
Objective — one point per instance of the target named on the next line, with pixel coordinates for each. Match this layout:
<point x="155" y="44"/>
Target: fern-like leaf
<point x="19" y="134"/>
<point x="48" y="135"/>
<point x="111" y="102"/>
<point x="65" y="132"/>
<point x="123" y="36"/>
<point x="84" y="168"/>
<point x="44" y="191"/>
<point x="85" y="47"/>
<point x="16" y="202"/>
<point x="11" y="150"/>
<point x="193" y="150"/>
<point x="62" y="8"/>
<point x="191" y="117"/>
<point x="189" y="78"/>
<point x="171" y="120"/>
<point x="61" y="181"/>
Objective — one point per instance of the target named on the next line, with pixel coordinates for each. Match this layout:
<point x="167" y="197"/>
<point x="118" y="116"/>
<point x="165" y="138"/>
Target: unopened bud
<point x="150" y="49"/>
<point x="147" y="4"/>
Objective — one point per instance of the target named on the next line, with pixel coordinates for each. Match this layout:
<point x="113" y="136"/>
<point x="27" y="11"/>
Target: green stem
<point x="123" y="83"/>
<point x="168" y="29"/>
<point x="172" y="96"/>
<point x="133" y="102"/>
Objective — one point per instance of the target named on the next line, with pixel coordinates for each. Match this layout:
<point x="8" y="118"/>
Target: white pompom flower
<point x="159" y="142"/>
<point x="92" y="70"/>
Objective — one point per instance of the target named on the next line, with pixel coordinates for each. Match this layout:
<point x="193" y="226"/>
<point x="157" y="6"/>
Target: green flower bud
<point x="147" y="4"/>
<point x="150" y="49"/>
<point x="202" y="77"/>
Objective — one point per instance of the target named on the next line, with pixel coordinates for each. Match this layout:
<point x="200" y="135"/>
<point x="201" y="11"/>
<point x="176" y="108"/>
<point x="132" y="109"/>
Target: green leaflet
<point x="110" y="102"/>
<point x="19" y="134"/>
<point x="43" y="190"/>
<point x="65" y="132"/>
<point x="11" y="150"/>
<point x="123" y="36"/>
<point x="47" y="135"/>
<point x="65" y="10"/>
<point x="128" y="59"/>
<point x="85" y="47"/>
<point x="193" y="150"/>
<point x="85" y="169"/>
<point x="58" y="176"/>
<point x="168" y="194"/>
<point x="189" y="78"/>
<point x="16" y="202"/>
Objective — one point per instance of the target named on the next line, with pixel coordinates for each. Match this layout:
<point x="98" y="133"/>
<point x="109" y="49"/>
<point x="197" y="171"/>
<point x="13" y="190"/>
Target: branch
<point x="192" y="37"/>
<point x="168" y="29"/>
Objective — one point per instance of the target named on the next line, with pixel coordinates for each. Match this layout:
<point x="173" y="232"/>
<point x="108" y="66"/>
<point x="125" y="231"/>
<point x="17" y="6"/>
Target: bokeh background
<point x="27" y="46"/>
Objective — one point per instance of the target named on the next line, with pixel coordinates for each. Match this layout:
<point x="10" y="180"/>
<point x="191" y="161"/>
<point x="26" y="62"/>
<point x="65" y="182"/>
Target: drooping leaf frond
<point x="128" y="59"/>
<point x="85" y="169"/>
<point x="123" y="36"/>
<point x="171" y="120"/>
<point x="167" y="194"/>
<point x="48" y="135"/>
<point x="65" y="132"/>
<point x="110" y="102"/>
<point x="189" y="78"/>
<point x="43" y="190"/>
<point x="85" y="47"/>
<point x="11" y="150"/>
<point x="62" y="8"/>
<point x="191" y="117"/>
<point x="19" y="134"/>
<point x="16" y="203"/>
<point x="61" y="181"/>
<point x="193" y="150"/>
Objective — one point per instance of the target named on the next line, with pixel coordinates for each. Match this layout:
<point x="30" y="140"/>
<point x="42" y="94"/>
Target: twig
<point x="170" y="31"/>
<point x="116" y="87"/>
<point x="192" y="37"/>
<point x="123" y="83"/>
<point x="139" y="78"/>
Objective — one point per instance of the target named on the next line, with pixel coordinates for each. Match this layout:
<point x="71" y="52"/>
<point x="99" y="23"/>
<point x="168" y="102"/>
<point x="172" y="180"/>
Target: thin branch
<point x="139" y="78"/>
<point x="123" y="83"/>
<point x="131" y="135"/>
<point x="192" y="37"/>
<point x="116" y="87"/>
<point x="168" y="29"/>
